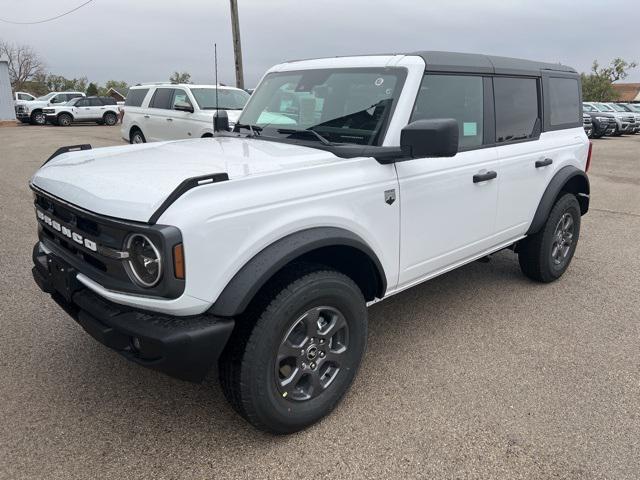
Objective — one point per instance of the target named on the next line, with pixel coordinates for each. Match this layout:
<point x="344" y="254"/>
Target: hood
<point x="131" y="182"/>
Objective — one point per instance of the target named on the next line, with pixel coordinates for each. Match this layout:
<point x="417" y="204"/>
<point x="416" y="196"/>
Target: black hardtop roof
<point x="478" y="63"/>
<point x="438" y="61"/>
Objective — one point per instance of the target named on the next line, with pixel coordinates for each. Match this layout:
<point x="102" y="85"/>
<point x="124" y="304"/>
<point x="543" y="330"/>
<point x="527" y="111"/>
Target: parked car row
<point x="612" y="119"/>
<point x="32" y="111"/>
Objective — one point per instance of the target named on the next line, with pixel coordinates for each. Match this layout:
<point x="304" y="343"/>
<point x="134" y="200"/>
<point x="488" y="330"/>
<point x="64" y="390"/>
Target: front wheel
<point x="38" y="118"/>
<point x="292" y="368"/>
<point x="546" y="255"/>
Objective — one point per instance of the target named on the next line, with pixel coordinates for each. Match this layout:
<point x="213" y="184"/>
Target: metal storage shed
<point x="7" y="111"/>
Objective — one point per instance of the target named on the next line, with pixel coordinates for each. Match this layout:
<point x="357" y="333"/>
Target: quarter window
<point x="135" y="97"/>
<point x="162" y="98"/>
<point x="564" y="101"/>
<point x="517" y="108"/>
<point x="453" y="96"/>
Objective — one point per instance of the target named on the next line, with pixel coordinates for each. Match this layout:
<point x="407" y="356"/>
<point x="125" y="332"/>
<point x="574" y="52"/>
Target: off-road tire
<point x="535" y="253"/>
<point x="248" y="365"/>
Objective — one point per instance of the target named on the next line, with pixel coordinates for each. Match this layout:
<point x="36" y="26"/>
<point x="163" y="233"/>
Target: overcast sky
<point x="146" y="40"/>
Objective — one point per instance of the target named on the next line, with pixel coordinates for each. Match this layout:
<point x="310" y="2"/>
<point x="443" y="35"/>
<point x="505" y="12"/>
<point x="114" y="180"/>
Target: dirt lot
<point x="479" y="373"/>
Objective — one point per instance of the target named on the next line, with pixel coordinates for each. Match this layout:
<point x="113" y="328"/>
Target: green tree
<point x="58" y="83"/>
<point x="92" y="90"/>
<point x="597" y="86"/>
<point x="180" y="77"/>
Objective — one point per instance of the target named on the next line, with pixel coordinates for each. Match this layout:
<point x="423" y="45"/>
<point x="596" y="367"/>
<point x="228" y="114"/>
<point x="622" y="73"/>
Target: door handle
<point x="146" y="116"/>
<point x="543" y="163"/>
<point x="483" y="177"/>
<point x="169" y="119"/>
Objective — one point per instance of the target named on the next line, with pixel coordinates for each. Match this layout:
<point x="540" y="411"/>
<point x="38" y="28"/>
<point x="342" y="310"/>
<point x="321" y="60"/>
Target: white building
<point x="7" y="111"/>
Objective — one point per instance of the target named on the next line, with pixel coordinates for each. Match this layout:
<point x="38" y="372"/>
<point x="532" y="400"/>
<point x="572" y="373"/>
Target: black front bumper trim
<point x="182" y="347"/>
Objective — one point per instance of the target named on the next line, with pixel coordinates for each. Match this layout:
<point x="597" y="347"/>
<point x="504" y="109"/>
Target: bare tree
<point x="24" y="63"/>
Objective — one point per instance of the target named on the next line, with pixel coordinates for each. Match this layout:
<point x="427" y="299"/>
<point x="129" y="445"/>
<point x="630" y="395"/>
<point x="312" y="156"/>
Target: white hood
<point x="132" y="181"/>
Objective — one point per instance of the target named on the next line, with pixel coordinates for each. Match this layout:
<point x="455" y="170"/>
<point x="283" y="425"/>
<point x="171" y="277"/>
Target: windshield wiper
<point x="293" y="131"/>
<point x="254" y="129"/>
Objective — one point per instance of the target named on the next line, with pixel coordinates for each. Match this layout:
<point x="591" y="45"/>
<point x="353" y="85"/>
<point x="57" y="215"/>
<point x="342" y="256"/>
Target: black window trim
<point x="546" y="123"/>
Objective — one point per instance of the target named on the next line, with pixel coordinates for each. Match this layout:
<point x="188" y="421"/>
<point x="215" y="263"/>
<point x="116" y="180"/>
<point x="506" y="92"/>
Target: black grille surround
<point x="107" y="235"/>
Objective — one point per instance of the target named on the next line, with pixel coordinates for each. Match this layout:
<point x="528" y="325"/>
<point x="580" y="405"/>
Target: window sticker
<point x="379" y="81"/>
<point x="469" y="129"/>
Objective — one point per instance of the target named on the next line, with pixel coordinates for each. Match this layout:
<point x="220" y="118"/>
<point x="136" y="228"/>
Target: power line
<point x="47" y="19"/>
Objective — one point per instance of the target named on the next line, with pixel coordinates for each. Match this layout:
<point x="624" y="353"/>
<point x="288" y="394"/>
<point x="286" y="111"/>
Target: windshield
<point x="341" y="105"/>
<point x="227" y="99"/>
<point x="618" y="107"/>
<point x="47" y="96"/>
<point x="588" y="108"/>
<point x="605" y="108"/>
<point x="635" y="108"/>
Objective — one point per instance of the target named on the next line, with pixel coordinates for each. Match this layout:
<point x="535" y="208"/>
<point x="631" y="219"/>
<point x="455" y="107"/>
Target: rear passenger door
<point x="157" y="127"/>
<point x="447" y="215"/>
<point x="531" y="150"/>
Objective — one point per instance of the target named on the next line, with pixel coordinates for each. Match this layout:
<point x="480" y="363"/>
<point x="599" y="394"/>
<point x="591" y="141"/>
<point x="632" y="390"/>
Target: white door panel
<point x="445" y="216"/>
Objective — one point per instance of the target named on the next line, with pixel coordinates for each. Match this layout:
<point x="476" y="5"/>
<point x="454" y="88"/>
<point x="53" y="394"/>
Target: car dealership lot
<point x="478" y="373"/>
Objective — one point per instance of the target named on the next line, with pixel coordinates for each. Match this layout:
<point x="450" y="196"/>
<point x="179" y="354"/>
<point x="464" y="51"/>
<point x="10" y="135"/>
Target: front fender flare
<point x="567" y="176"/>
<point x="236" y="296"/>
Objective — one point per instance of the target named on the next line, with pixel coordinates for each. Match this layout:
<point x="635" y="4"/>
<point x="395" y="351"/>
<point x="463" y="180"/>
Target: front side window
<point x="180" y="97"/>
<point x="162" y="98"/>
<point x="453" y="96"/>
<point x="517" y="108"/>
<point x="24" y="96"/>
<point x="564" y="101"/>
<point x="59" y="98"/>
<point x="227" y="99"/>
<point x="341" y="105"/>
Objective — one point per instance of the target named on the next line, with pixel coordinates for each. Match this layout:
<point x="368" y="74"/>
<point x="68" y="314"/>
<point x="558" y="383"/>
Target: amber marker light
<point x="178" y="261"/>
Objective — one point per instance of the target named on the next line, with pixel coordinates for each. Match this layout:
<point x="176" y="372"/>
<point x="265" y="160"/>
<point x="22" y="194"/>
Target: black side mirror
<point x="221" y="121"/>
<point x="430" y="138"/>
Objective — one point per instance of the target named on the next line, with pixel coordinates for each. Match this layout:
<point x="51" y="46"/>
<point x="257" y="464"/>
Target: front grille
<point x="93" y="244"/>
<point x="20" y="108"/>
<point x="628" y="119"/>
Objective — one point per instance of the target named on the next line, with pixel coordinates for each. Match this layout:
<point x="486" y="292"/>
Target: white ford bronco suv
<point x="345" y="181"/>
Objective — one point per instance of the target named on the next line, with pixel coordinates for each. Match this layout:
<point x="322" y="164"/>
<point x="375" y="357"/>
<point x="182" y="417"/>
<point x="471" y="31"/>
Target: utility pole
<point x="237" y="47"/>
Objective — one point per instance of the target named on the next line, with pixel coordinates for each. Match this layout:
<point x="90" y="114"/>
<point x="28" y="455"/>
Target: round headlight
<point x="145" y="262"/>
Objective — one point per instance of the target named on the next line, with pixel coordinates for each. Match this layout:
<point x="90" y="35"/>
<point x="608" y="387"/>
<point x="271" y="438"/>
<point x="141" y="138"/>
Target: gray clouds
<point x="144" y="41"/>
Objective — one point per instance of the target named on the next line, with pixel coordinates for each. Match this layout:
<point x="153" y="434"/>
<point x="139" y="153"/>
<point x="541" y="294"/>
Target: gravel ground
<point x="479" y="373"/>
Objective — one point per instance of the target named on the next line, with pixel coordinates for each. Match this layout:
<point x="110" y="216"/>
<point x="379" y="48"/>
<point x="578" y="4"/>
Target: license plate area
<point x="63" y="277"/>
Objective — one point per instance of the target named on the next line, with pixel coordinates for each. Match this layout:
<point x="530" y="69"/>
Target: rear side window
<point x="82" y="103"/>
<point x="564" y="101"/>
<point x="453" y="96"/>
<point x="517" y="108"/>
<point x="162" y="98"/>
<point x="108" y="100"/>
<point x="135" y="97"/>
<point x="95" y="102"/>
<point x="71" y="96"/>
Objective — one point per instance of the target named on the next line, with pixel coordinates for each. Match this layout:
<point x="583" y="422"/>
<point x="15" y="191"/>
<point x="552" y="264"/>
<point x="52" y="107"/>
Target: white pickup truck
<point x="345" y="181"/>
<point x="31" y="111"/>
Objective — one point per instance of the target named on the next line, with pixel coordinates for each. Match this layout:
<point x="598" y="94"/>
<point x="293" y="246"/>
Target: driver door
<point x="448" y="205"/>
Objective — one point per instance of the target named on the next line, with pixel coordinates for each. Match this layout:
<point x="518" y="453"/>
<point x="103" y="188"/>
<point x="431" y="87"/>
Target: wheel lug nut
<point x="313" y="365"/>
<point x="322" y="354"/>
<point x="322" y="340"/>
<point x="304" y="365"/>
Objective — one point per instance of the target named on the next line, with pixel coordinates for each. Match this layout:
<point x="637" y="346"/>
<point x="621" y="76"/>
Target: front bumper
<point x="183" y="347"/>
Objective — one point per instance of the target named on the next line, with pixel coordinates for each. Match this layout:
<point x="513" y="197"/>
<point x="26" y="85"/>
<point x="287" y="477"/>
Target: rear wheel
<point x="38" y="118"/>
<point x="110" y="119"/>
<point x="546" y="255"/>
<point x="136" y="136"/>
<point x="64" y="119"/>
<point x="292" y="367"/>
